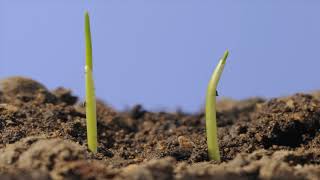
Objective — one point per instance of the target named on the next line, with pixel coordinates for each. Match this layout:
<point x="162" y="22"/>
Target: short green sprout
<point x="211" y="118"/>
<point x="90" y="94"/>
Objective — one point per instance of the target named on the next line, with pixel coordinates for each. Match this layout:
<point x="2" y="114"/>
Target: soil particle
<point x="81" y="169"/>
<point x="24" y="175"/>
<point x="56" y="157"/>
<point x="137" y="112"/>
<point x="185" y="143"/>
<point x="65" y="95"/>
<point x="155" y="169"/>
<point x="20" y="89"/>
<point x="45" y="154"/>
<point x="40" y="153"/>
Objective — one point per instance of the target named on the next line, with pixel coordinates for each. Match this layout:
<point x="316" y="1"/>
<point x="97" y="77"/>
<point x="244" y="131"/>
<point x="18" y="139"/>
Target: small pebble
<point x="161" y="145"/>
<point x="185" y="143"/>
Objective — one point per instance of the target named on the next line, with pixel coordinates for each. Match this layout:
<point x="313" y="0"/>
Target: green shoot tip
<point x="225" y="56"/>
<point x="88" y="41"/>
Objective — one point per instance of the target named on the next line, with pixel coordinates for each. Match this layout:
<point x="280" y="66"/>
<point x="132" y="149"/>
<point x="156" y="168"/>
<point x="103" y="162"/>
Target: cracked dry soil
<point x="43" y="136"/>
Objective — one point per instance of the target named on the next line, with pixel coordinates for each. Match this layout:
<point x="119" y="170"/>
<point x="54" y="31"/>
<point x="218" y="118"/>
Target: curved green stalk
<point x="90" y="94"/>
<point x="211" y="119"/>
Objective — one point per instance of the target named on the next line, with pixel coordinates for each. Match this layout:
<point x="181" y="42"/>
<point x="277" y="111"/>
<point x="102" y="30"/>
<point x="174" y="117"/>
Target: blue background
<point x="162" y="53"/>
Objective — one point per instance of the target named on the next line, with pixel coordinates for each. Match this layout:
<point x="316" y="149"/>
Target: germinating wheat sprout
<point x="90" y="94"/>
<point x="211" y="119"/>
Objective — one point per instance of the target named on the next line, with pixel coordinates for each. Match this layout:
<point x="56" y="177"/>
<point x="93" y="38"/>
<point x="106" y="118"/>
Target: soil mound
<point x="43" y="136"/>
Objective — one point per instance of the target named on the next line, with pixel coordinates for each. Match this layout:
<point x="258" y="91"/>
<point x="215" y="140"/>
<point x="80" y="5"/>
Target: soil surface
<point x="43" y="136"/>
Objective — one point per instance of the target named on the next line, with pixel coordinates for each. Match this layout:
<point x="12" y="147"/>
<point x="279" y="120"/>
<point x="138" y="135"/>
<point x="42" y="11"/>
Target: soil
<point x="43" y="136"/>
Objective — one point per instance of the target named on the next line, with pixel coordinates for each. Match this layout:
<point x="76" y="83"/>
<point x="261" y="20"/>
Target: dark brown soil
<point x="43" y="136"/>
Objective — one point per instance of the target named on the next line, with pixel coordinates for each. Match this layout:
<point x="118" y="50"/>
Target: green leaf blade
<point x="91" y="116"/>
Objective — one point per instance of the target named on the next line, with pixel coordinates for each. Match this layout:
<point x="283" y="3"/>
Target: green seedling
<point x="90" y="94"/>
<point x="211" y="118"/>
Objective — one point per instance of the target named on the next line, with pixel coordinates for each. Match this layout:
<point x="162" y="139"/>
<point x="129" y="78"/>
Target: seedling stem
<point x="90" y="94"/>
<point x="211" y="118"/>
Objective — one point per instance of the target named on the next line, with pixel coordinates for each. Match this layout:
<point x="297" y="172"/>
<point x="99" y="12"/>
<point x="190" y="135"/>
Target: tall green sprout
<point x="90" y="94"/>
<point x="211" y="118"/>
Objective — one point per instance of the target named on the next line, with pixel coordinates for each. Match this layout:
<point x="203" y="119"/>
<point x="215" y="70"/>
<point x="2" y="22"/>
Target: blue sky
<point x="162" y="53"/>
